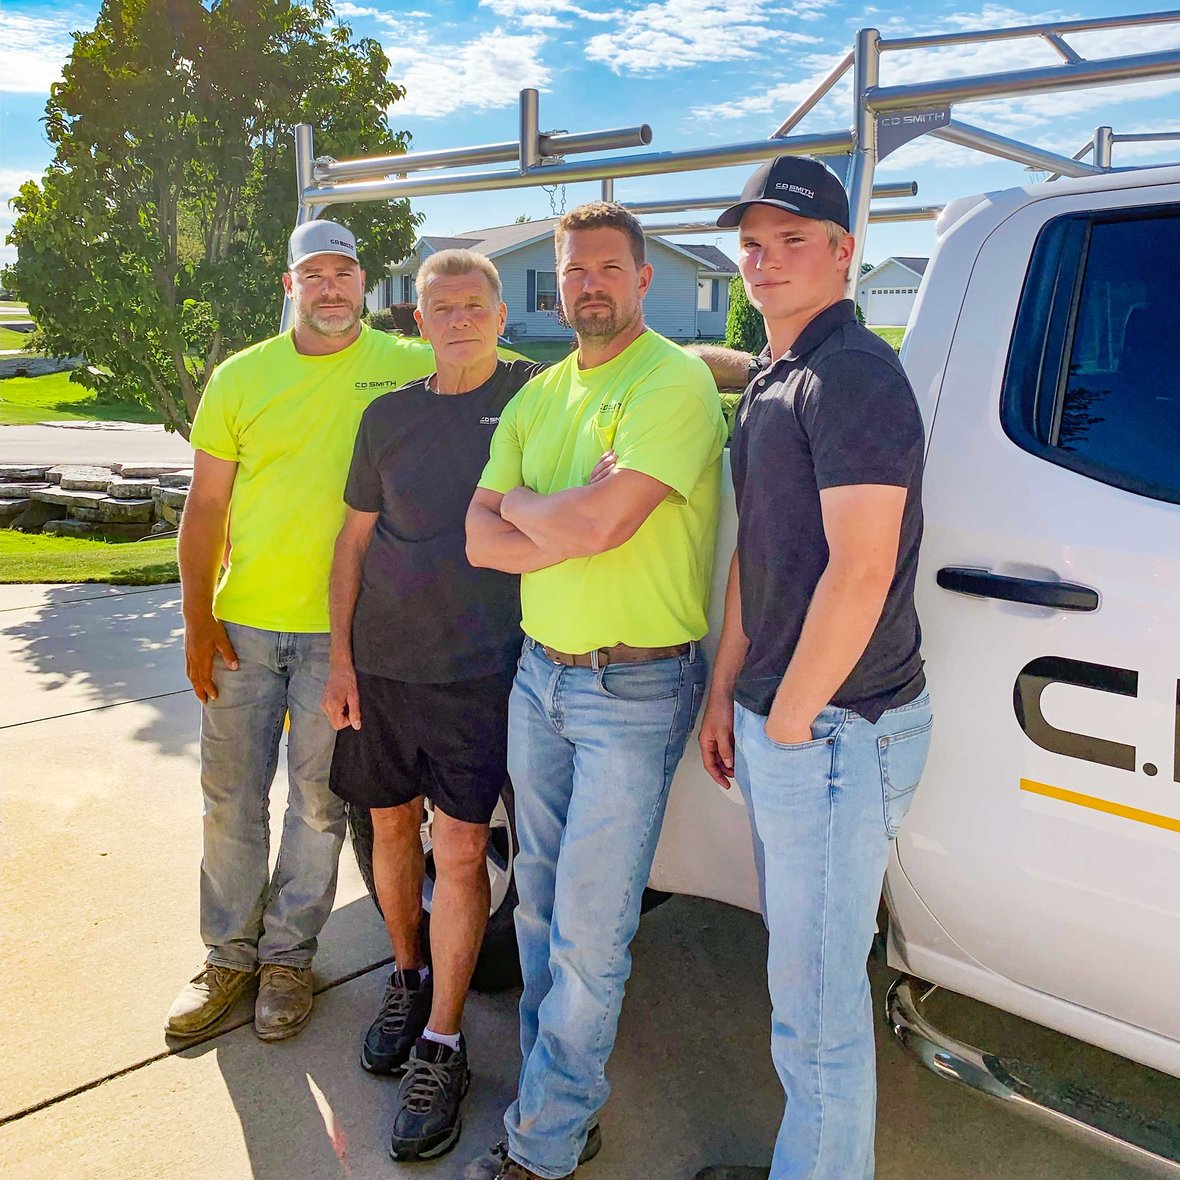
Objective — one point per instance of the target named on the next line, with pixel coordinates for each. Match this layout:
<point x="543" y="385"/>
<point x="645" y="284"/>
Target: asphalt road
<point x="92" y="442"/>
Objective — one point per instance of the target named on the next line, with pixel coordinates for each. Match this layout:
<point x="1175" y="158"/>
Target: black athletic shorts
<point x="448" y="742"/>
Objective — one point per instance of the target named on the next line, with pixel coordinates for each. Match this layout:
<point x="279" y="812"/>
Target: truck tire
<point x="498" y="965"/>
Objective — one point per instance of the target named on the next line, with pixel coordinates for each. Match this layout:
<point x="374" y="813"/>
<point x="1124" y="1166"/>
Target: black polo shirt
<point x="836" y="410"/>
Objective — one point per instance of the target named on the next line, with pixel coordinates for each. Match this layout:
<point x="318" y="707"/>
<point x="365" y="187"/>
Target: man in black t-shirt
<point x="424" y="649"/>
<point x="818" y="704"/>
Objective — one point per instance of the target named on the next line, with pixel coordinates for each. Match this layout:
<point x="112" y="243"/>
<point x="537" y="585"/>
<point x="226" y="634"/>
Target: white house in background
<point x="688" y="300"/>
<point x="886" y="293"/>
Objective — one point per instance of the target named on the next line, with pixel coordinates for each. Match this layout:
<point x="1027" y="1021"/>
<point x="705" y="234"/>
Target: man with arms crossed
<point x="424" y="648"/>
<point x="817" y="704"/>
<point x="610" y="675"/>
<point x="272" y="437"/>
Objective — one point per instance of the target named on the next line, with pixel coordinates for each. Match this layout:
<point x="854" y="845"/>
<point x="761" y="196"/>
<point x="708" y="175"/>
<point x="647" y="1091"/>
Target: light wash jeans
<point x="248" y="915"/>
<point x="823" y="813"/>
<point x="591" y="753"/>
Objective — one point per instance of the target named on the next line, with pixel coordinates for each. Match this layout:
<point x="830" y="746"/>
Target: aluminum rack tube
<point x="907" y="188"/>
<point x="648" y="164"/>
<point x="1109" y="71"/>
<point x="1012" y="149"/>
<point x="1056" y="28"/>
<point x="891" y="213"/>
<point x="489" y="153"/>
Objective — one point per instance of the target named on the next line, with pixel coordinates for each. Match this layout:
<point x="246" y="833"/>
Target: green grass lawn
<point x="54" y="398"/>
<point x="542" y="350"/>
<point x="891" y="336"/>
<point x="30" y="557"/>
<point x="11" y="339"/>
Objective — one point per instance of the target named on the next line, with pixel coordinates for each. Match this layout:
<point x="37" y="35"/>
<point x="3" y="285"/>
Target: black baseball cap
<point x="797" y="184"/>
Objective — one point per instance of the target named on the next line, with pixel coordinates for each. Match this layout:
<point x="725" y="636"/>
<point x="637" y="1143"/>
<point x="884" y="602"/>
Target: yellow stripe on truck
<point x="1119" y="809"/>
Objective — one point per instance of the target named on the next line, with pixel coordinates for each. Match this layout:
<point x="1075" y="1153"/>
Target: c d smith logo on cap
<point x="795" y="188"/>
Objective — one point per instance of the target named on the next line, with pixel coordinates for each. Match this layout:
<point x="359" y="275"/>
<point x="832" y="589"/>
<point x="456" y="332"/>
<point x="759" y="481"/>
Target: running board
<point x="1086" y="1114"/>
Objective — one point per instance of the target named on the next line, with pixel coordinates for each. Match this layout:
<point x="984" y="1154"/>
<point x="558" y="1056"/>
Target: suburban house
<point x="886" y="293"/>
<point x="689" y="297"/>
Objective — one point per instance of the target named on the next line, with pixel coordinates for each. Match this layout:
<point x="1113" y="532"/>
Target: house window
<point x="408" y="293"/>
<point x="546" y="291"/>
<point x="705" y="289"/>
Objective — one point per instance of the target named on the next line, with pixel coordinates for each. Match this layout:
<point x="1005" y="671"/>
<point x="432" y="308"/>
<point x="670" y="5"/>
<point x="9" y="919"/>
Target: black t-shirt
<point x="424" y="614"/>
<point x="836" y="410"/>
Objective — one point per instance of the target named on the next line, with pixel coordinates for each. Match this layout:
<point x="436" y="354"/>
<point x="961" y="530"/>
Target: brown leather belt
<point x="619" y="654"/>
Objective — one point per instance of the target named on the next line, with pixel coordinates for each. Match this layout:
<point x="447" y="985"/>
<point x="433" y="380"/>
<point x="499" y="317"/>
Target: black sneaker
<point x="428" y="1122"/>
<point x="401" y="1021"/>
<point x="496" y="1161"/>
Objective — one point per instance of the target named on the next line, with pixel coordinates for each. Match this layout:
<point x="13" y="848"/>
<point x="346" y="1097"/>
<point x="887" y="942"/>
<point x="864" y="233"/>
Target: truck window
<point x="1093" y="378"/>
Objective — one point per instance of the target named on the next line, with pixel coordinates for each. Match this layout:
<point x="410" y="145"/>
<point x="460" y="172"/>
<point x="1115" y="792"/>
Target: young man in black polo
<point x="423" y="653"/>
<point x="818" y="704"/>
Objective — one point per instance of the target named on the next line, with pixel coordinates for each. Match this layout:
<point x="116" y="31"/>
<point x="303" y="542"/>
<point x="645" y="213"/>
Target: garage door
<point x="890" y="305"/>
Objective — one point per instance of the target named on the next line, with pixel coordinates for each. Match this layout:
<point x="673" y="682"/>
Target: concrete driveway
<point x="98" y="766"/>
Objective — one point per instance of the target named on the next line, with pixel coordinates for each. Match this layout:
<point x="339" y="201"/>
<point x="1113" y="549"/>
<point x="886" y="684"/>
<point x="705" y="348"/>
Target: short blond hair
<point x="448" y="263"/>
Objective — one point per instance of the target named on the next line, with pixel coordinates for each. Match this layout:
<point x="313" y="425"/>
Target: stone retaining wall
<point x="121" y="500"/>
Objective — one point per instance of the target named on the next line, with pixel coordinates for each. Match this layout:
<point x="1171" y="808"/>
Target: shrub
<point x="744" y="326"/>
<point x="398" y="317"/>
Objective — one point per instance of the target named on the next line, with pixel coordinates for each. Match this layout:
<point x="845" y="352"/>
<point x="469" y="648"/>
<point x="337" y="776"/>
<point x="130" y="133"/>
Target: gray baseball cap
<point x="320" y="237"/>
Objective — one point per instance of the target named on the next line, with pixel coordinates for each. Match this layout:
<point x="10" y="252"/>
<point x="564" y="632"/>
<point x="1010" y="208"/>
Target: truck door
<point x="1045" y="838"/>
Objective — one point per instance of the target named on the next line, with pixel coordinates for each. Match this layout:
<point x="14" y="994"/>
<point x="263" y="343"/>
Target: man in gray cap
<point x="272" y="439"/>
<point x="818" y="705"/>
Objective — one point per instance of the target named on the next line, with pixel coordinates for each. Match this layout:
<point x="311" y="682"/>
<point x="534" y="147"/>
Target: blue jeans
<point x="591" y="753"/>
<point x="248" y="915"/>
<point x="823" y="813"/>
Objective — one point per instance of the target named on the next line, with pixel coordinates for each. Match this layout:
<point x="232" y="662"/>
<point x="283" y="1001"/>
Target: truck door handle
<point x="985" y="584"/>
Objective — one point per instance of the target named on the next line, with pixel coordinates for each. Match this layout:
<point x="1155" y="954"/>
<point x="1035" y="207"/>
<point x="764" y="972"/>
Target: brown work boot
<point x="205" y="999"/>
<point x="284" y="1001"/>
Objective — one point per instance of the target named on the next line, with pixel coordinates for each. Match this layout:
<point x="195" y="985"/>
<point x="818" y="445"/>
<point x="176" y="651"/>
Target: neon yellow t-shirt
<point x="289" y="421"/>
<point x="658" y="407"/>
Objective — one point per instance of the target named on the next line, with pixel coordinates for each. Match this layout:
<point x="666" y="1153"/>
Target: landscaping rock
<point x="170" y="497"/>
<point x="111" y="511"/>
<point x="21" y="490"/>
<point x="68" y="499"/>
<point x="129" y="489"/>
<point x="148" y="470"/>
<point x="169" y="515"/>
<point x="86" y="483"/>
<point x="177" y="479"/>
<point x="164" y="526"/>
<point x="11" y="508"/>
<point x="86" y="528"/>
<point x="99" y="473"/>
<point x="23" y="471"/>
<point x="38" y="513"/>
<point x="37" y="366"/>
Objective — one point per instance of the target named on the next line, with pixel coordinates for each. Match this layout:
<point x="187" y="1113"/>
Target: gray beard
<point x="329" y="328"/>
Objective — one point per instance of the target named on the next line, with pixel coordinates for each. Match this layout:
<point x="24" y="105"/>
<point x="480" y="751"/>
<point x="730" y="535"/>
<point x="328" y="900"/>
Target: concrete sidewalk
<point x="102" y="832"/>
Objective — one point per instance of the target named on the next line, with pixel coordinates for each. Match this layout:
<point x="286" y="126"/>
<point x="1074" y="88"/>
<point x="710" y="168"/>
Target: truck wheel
<point x="498" y="965"/>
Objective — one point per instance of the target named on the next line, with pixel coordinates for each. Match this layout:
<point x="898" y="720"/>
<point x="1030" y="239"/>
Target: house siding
<point x="670" y="307"/>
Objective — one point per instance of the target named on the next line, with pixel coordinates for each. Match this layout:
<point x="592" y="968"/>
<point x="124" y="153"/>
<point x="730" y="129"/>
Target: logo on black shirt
<point x="487" y="421"/>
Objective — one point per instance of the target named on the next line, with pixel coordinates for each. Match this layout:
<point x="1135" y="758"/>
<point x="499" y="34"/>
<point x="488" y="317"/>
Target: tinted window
<point x="1093" y="382"/>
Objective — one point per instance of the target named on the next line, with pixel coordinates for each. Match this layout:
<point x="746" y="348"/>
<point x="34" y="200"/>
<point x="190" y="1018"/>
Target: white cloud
<point x="544" y="14"/>
<point x="674" y="34"/>
<point x="783" y="98"/>
<point x="473" y="75"/>
<point x="33" y="51"/>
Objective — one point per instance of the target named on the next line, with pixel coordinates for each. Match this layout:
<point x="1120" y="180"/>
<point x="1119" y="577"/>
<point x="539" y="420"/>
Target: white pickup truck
<point x="1039" y="867"/>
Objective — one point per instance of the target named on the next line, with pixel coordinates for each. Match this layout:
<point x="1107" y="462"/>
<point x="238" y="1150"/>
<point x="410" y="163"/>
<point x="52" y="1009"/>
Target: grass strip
<point x="34" y="557"/>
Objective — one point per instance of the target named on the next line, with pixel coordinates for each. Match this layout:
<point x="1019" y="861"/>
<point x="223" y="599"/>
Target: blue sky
<point x="701" y="72"/>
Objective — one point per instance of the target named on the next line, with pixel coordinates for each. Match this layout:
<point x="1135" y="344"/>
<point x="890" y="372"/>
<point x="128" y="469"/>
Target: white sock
<point x="451" y="1042"/>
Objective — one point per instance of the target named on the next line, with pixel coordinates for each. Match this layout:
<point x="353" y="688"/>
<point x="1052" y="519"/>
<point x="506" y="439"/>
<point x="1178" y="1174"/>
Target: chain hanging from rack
<point x="551" y="191"/>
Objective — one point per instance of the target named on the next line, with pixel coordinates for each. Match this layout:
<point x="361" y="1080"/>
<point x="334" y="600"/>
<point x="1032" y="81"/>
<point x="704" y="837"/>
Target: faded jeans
<point x="591" y="754"/>
<point x="823" y="814"/>
<point x="249" y="915"/>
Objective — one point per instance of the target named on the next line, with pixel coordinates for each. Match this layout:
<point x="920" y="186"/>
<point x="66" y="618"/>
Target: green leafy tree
<point x="153" y="244"/>
<point x="744" y="327"/>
